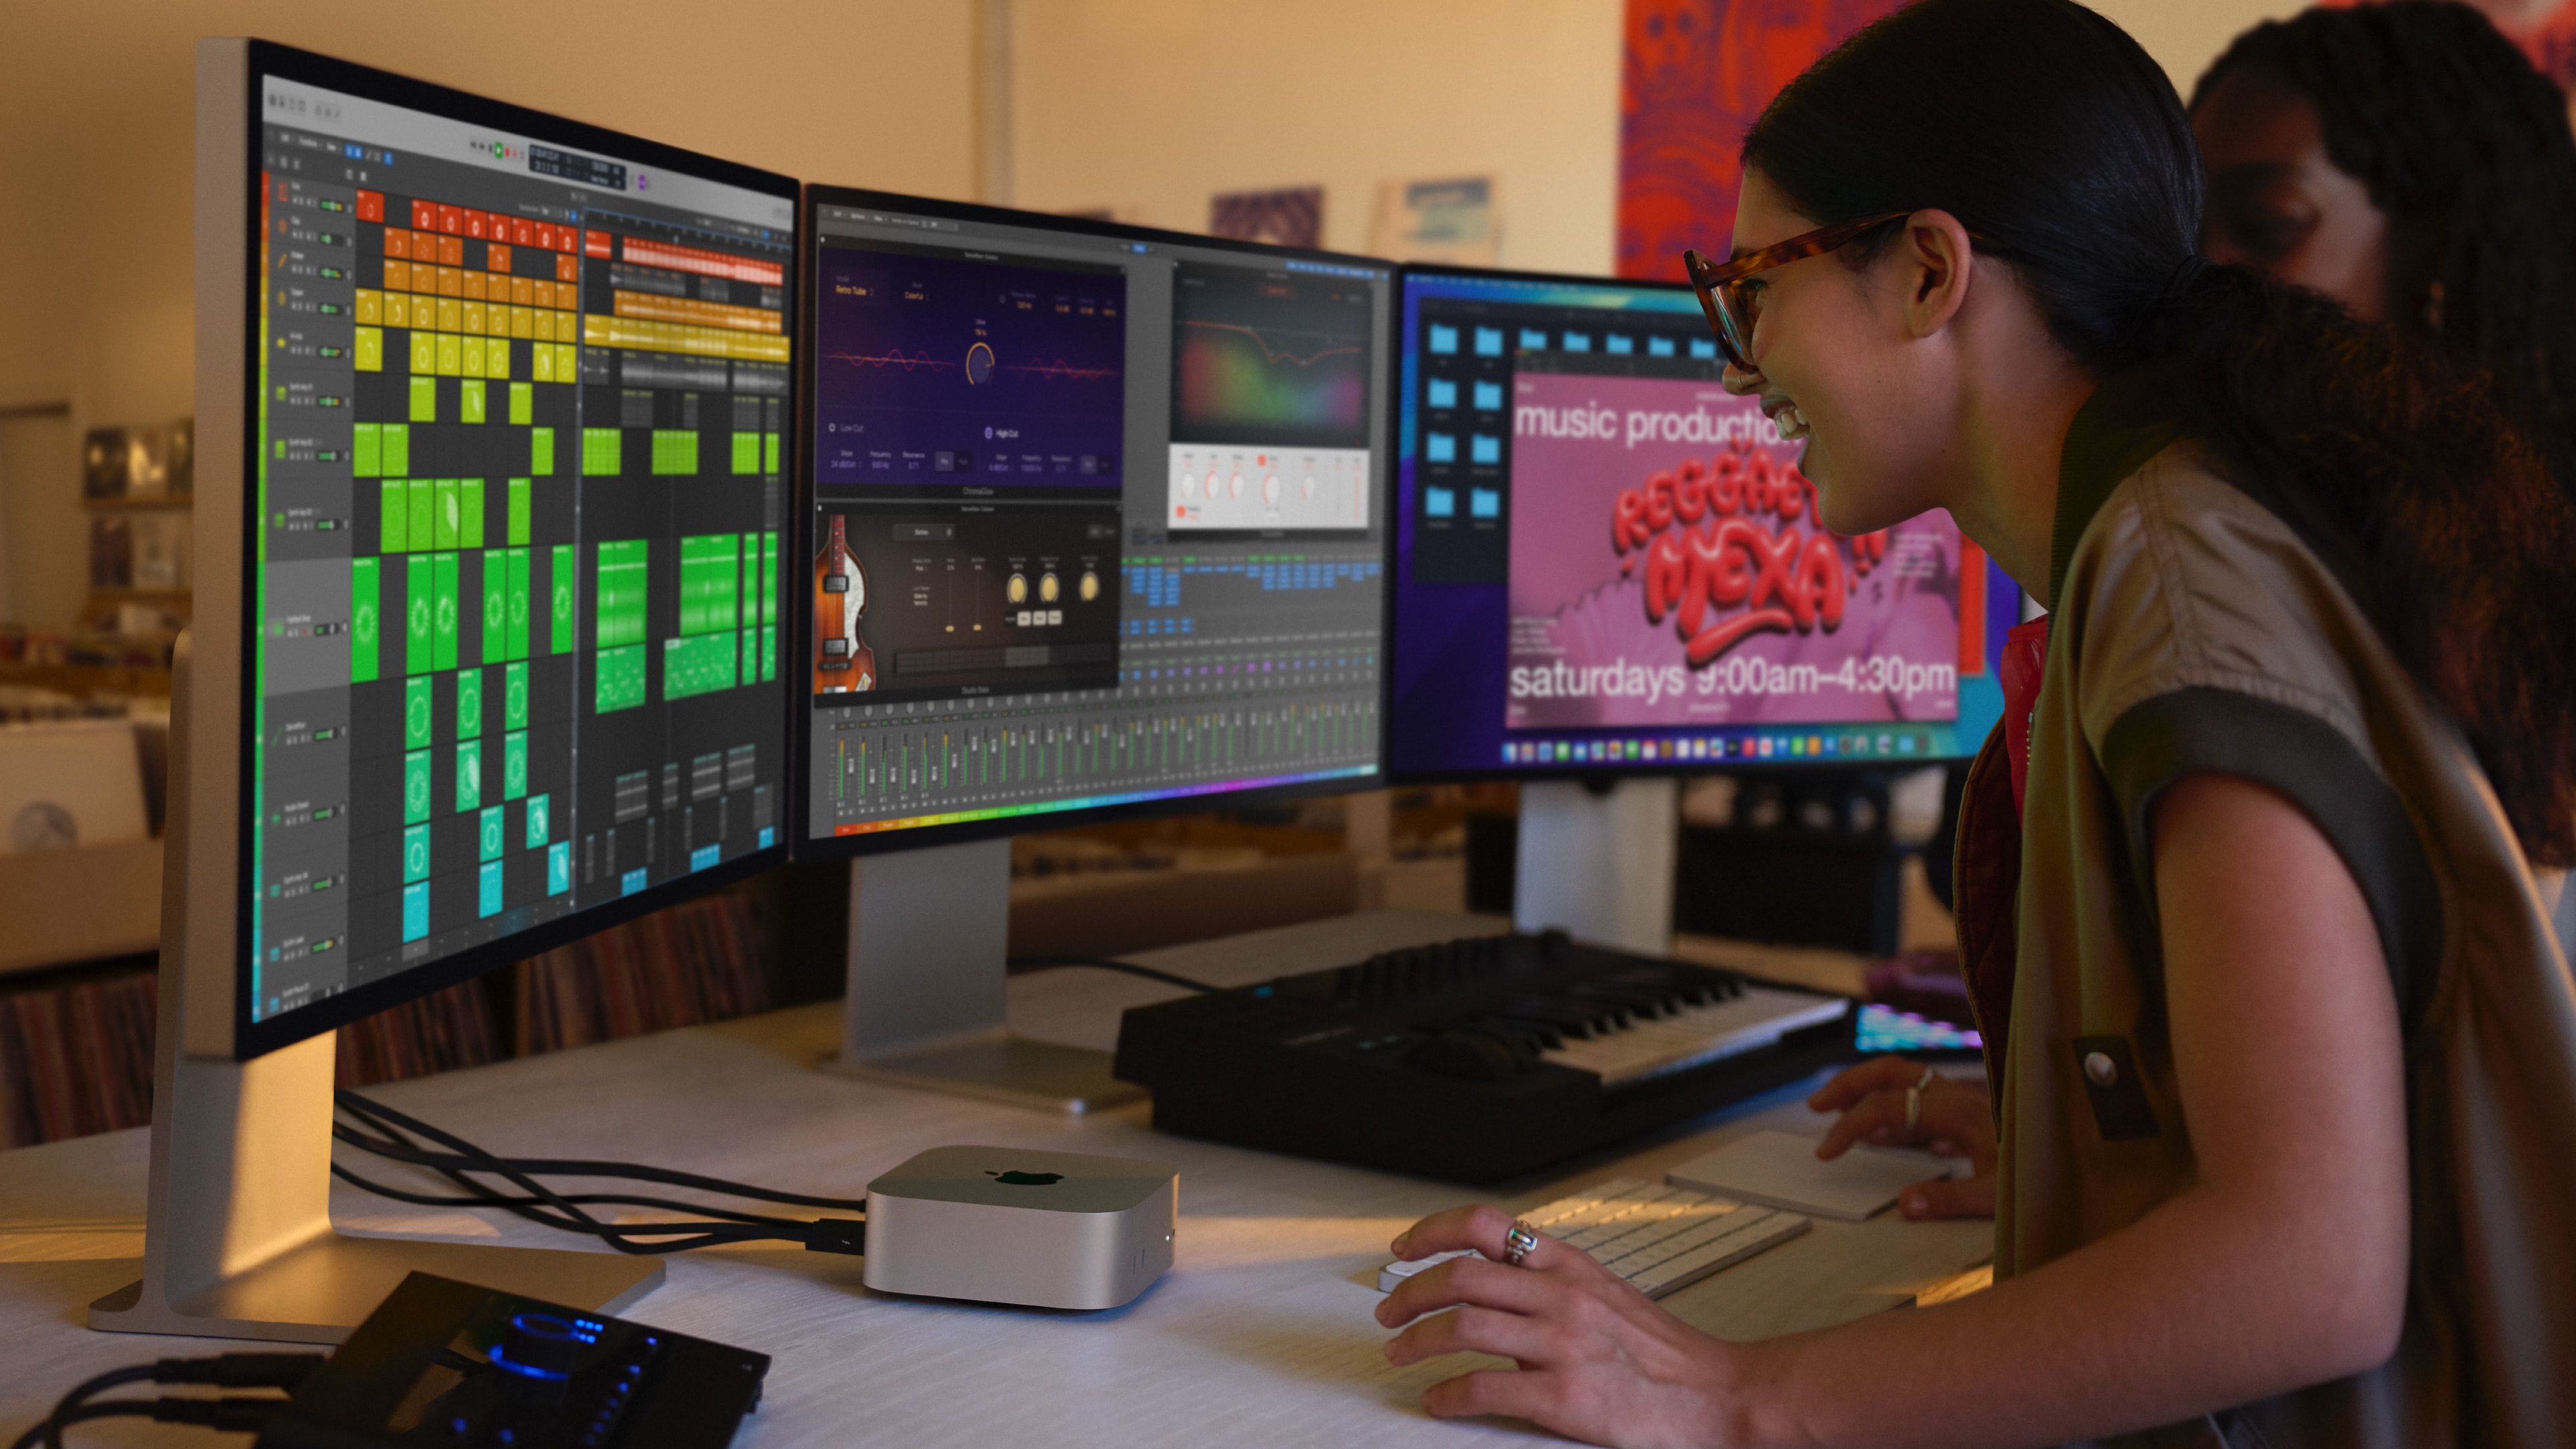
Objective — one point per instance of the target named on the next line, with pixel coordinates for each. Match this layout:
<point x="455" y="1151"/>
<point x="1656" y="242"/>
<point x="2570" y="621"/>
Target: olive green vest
<point x="2195" y="630"/>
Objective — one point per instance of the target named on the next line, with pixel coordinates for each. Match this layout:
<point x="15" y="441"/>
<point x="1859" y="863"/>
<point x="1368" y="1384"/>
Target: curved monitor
<point x="1096" y="521"/>
<point x="1604" y="563"/>
<point x="487" y="648"/>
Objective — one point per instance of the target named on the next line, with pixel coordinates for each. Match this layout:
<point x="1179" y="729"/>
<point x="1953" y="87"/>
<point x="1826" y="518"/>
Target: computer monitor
<point x="492" y="409"/>
<point x="1608" y="567"/>
<point x="1095" y="528"/>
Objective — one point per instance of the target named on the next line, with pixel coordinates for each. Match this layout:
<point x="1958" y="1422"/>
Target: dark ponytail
<point x="2049" y="132"/>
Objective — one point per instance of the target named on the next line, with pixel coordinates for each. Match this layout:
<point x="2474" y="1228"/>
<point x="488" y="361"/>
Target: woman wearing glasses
<point x="2286" y="1061"/>
<point x="2407" y="161"/>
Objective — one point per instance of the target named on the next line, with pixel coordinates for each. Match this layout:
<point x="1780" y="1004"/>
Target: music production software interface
<point x="1604" y="559"/>
<point x="1097" y="520"/>
<point x="518" y="506"/>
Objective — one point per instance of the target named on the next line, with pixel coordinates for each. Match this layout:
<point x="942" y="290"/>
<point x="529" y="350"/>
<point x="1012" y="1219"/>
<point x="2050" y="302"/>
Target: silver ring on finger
<point x="1930" y="1075"/>
<point x="1518" y="1242"/>
<point x="1913" y="1108"/>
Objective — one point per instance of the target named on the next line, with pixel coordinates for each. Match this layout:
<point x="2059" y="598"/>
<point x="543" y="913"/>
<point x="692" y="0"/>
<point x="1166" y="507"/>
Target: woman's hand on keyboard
<point x="1598" y="1360"/>
<point x="1958" y="1120"/>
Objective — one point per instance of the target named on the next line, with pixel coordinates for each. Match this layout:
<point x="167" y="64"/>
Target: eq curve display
<point x="945" y="369"/>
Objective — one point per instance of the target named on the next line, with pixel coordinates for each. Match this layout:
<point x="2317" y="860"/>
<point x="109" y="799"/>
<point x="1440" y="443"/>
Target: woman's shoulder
<point x="2189" y="581"/>
<point x="2205" y="635"/>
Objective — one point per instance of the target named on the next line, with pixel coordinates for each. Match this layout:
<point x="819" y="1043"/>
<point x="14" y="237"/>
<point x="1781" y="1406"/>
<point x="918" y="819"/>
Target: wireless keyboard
<point x="1661" y="1239"/>
<point x="1473" y="1060"/>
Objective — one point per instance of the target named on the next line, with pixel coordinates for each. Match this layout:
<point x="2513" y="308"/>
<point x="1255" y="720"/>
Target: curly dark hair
<point x="2053" y="137"/>
<point x="2468" y="150"/>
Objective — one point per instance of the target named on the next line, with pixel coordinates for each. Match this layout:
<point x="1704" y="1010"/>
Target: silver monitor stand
<point x="929" y="933"/>
<point x="927" y="1005"/>
<point x="237" y="1237"/>
<point x="1596" y="862"/>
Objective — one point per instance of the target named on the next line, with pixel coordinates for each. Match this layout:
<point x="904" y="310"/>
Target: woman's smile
<point x="1785" y="416"/>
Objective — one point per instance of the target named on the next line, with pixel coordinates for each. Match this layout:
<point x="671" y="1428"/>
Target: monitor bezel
<point x="840" y="847"/>
<point x="1600" y="775"/>
<point x="266" y="58"/>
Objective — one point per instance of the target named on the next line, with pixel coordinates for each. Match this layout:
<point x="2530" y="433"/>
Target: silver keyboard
<point x="1694" y="1036"/>
<point x="1660" y="1238"/>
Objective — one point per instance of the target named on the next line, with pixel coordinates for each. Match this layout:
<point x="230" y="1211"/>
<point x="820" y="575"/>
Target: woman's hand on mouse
<point x="1956" y="1120"/>
<point x="1598" y="1360"/>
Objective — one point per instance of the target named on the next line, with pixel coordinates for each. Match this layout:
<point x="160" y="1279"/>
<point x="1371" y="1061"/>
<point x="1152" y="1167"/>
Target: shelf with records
<point x="138" y="489"/>
<point x="76" y="1042"/>
<point x="132" y="552"/>
<point x="124" y="505"/>
<point x="155" y="464"/>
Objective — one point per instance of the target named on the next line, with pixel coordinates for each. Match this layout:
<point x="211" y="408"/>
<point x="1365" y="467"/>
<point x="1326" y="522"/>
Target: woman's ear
<point x="1936" y="261"/>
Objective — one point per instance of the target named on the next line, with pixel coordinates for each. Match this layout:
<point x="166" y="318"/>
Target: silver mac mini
<point x="1009" y="1225"/>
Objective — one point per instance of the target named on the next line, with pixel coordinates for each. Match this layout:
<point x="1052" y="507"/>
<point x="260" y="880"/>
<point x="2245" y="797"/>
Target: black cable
<point x="228" y="1415"/>
<point x="381" y="1116"/>
<point x="397" y="1147"/>
<point x="827" y="1235"/>
<point x="401" y="1147"/>
<point x="569" y="1218"/>
<point x="615" y="1235"/>
<point x="707" y="1234"/>
<point x="228" y="1370"/>
<point x="832" y="1235"/>
<point x="1108" y="963"/>
<point x="586" y="1199"/>
<point x="137" y="1374"/>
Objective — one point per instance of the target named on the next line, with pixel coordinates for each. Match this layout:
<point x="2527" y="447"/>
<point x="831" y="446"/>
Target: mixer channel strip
<point x="1661" y="1239"/>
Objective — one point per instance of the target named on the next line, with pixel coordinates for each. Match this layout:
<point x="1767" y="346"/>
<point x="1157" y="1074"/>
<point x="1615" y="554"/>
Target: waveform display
<point x="907" y="361"/>
<point x="1060" y="370"/>
<point x="1267" y="359"/>
<point x="944" y="368"/>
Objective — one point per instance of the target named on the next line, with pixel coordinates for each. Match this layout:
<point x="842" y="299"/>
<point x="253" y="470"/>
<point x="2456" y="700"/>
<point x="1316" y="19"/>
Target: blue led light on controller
<point x="510" y="1365"/>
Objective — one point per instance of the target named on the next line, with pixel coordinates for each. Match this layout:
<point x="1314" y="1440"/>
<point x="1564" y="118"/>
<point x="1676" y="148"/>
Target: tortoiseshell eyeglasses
<point x="1732" y="307"/>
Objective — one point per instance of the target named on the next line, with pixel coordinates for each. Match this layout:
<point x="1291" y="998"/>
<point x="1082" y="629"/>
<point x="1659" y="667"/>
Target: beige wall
<point x="1151" y="106"/>
<point x="95" y="135"/>
<point x="1145" y="105"/>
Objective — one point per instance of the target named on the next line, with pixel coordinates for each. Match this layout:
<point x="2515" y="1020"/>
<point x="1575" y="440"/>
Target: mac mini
<point x="1007" y="1225"/>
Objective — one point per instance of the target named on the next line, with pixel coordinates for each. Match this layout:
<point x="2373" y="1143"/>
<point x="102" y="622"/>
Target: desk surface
<point x="1261" y="1333"/>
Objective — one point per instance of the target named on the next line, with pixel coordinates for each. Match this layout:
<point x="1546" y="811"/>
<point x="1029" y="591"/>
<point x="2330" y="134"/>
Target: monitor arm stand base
<point x="237" y="1237"/>
<point x="238" y="1240"/>
<point x="1598" y="864"/>
<point x="927" y="1004"/>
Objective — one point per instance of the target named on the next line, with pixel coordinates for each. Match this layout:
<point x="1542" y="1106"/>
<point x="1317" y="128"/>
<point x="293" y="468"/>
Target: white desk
<point x="1261" y="1333"/>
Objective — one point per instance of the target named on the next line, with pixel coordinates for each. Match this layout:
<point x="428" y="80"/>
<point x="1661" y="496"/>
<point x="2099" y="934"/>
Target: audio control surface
<point x="449" y="1363"/>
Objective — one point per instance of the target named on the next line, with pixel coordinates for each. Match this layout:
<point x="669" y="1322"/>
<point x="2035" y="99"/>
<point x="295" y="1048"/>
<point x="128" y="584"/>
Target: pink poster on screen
<point x="1667" y="569"/>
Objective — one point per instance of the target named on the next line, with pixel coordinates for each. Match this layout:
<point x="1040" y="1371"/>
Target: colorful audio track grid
<point x="532" y="518"/>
